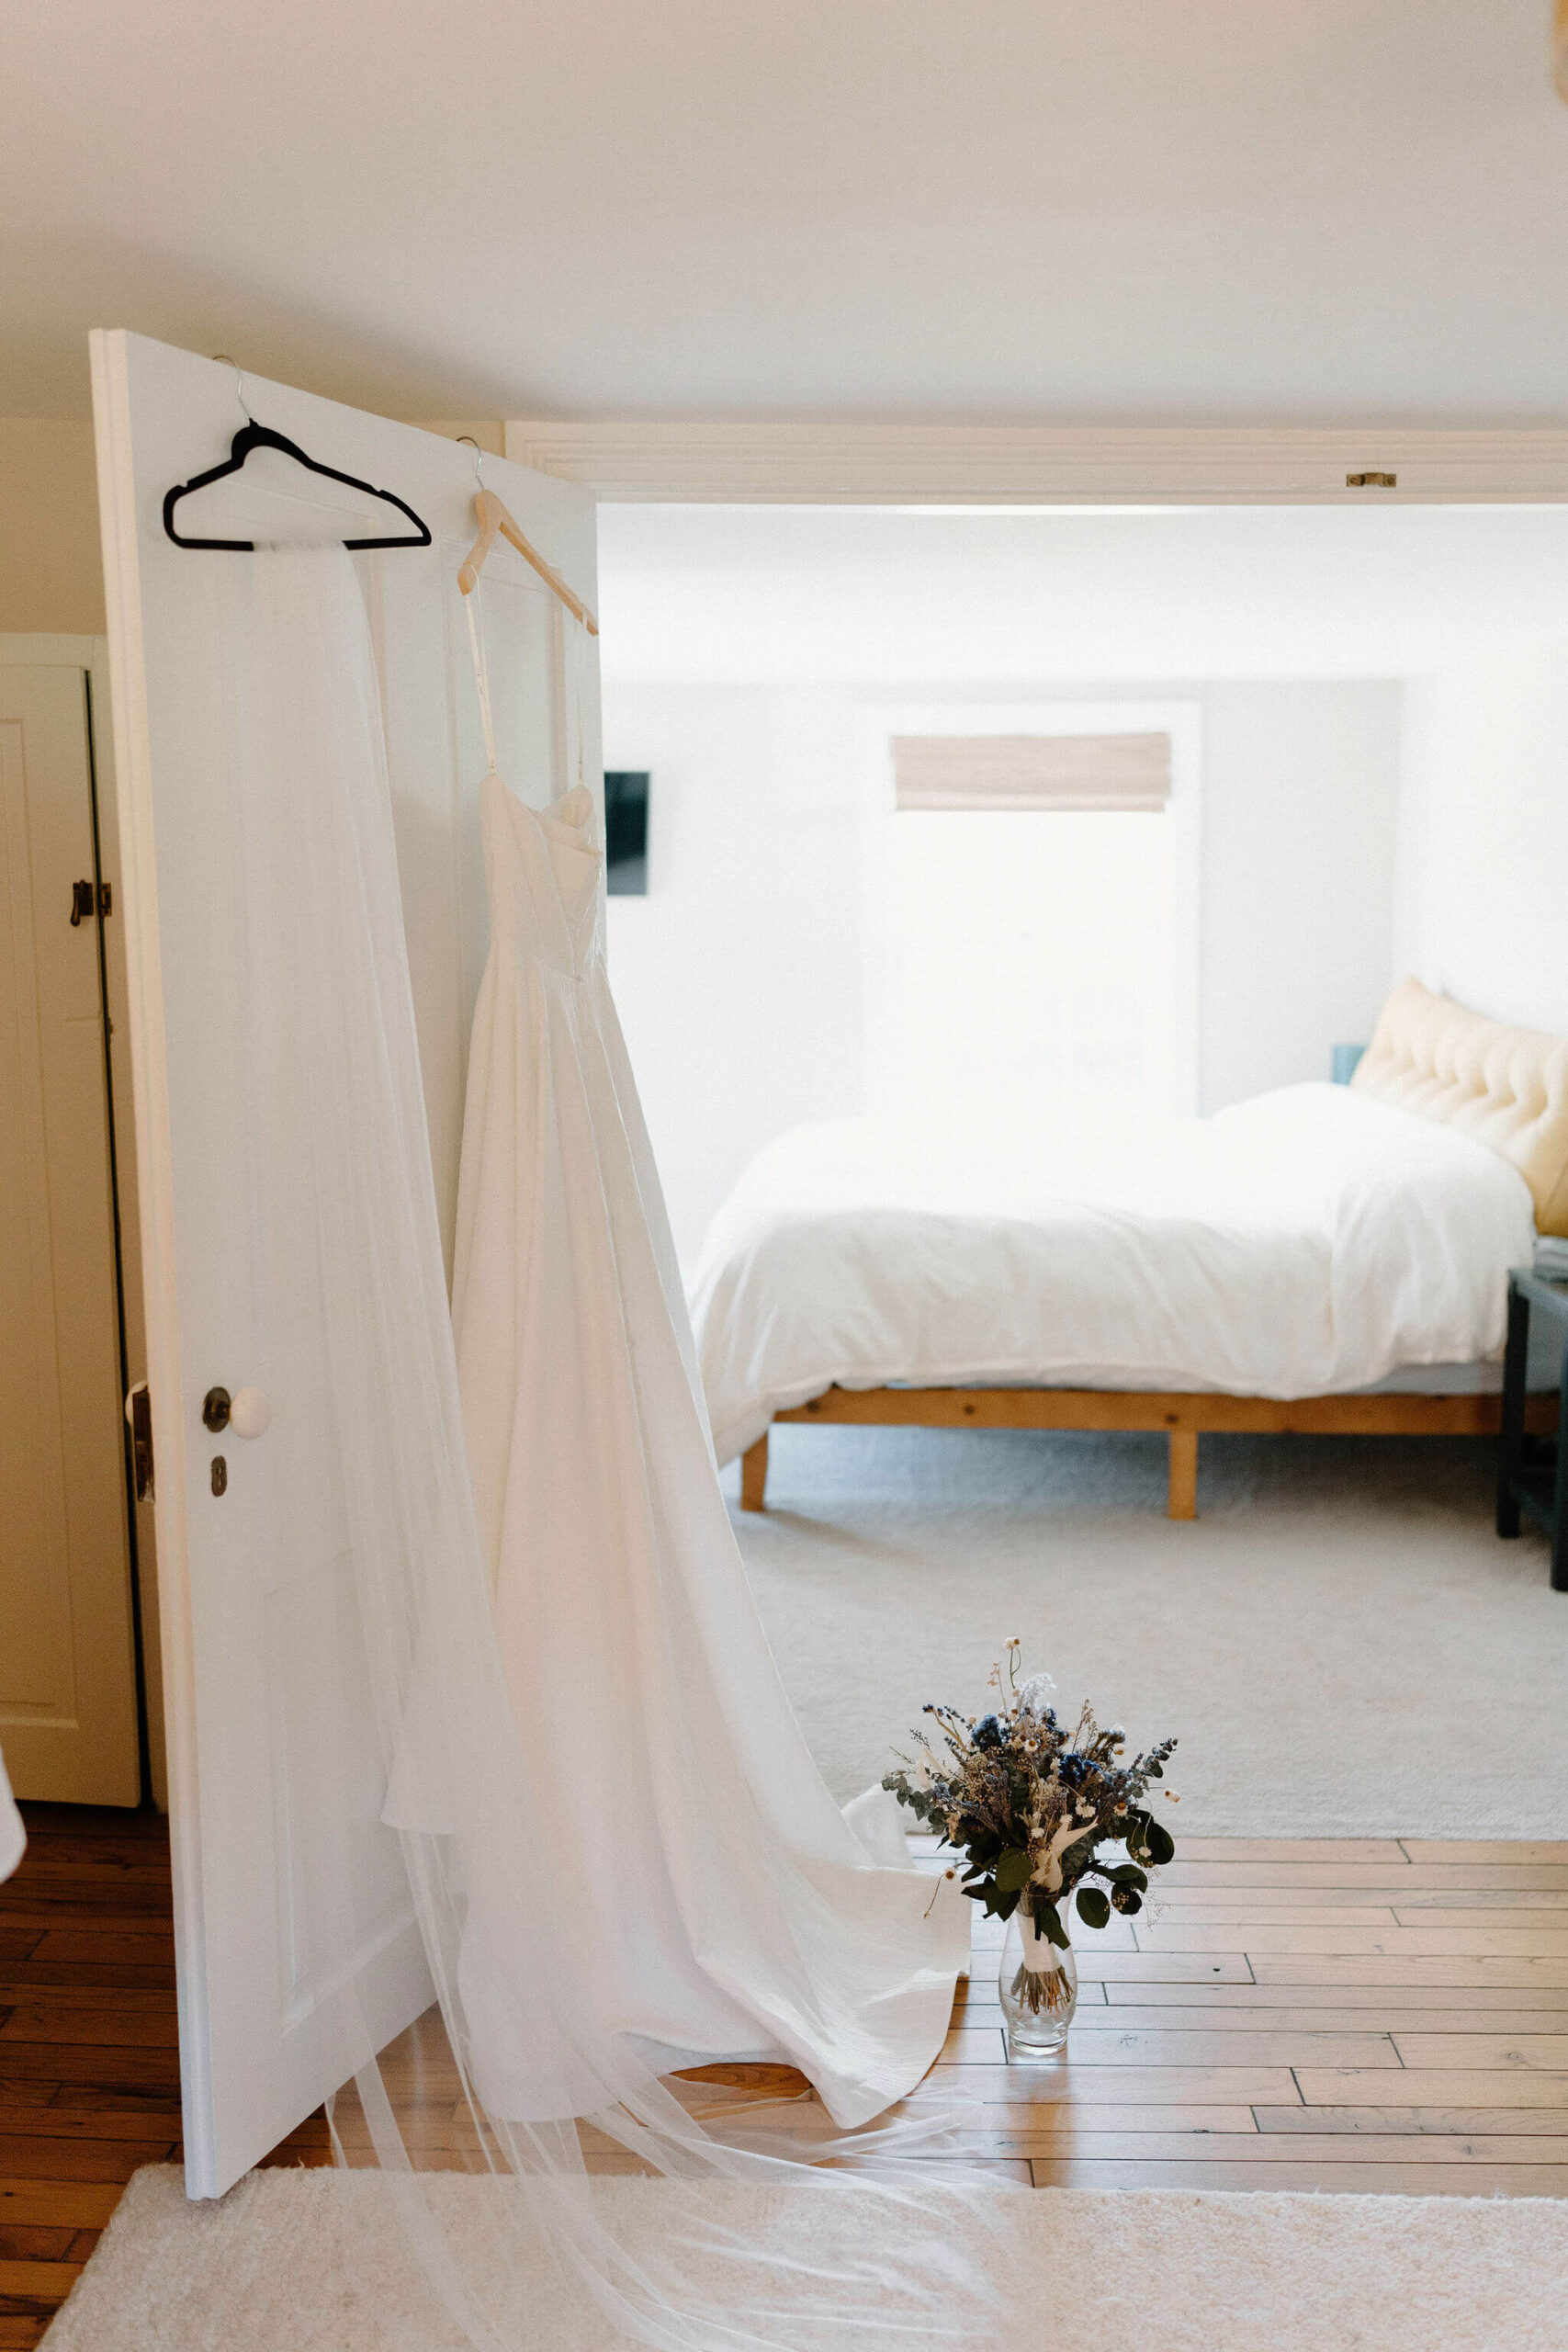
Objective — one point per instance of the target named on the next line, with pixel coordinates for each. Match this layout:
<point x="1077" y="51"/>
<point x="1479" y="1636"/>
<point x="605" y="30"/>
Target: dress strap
<point x="482" y="677"/>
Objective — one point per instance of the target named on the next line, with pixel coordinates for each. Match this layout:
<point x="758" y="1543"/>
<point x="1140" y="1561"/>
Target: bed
<point x="1320" y="1258"/>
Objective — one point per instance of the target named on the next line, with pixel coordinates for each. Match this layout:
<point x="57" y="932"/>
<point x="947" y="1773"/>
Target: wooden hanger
<point x="496" y="521"/>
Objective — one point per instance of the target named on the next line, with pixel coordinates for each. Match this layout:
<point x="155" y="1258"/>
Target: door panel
<point x="67" y="1670"/>
<point x="265" y="1696"/>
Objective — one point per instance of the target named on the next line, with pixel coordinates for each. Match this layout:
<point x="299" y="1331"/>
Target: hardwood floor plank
<point x="1321" y="1911"/>
<point x="1427" y="2086"/>
<point x="1268" y="2151"/>
<point x="1303" y="1877"/>
<point x="23" y="2061"/>
<point x="1414" y="1943"/>
<point x="121" y="2026"/>
<point x="1495" y="1900"/>
<point x="1456" y="1920"/>
<point x="120" y="1823"/>
<point x="155" y="2128"/>
<point x="1066" y="2118"/>
<point x="1237" y="2085"/>
<point x="146" y="1944"/>
<point x="1352" y="1852"/>
<point x="48" y="1898"/>
<point x="46" y="2157"/>
<point x="1514" y="2122"/>
<point x="28" y="2244"/>
<point x="974" y="2046"/>
<point x="1241" y="2045"/>
<point x="1463" y="1853"/>
<point x="121" y="1999"/>
<point x="70" y="2203"/>
<point x="1158" y="1968"/>
<point x="1537" y="2053"/>
<point x="1390" y="2019"/>
<point x="1413" y="2179"/>
<point x="1408" y="1970"/>
<point x="28" y="1977"/>
<point x="44" y="2282"/>
<point x="114" y="2099"/>
<point x="1347" y="2002"/>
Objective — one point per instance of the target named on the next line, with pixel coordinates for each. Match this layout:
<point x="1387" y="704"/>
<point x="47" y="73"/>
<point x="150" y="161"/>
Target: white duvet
<point x="1310" y="1240"/>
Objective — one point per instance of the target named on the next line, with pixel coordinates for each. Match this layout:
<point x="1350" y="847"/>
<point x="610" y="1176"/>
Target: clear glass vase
<point x="1037" y="1985"/>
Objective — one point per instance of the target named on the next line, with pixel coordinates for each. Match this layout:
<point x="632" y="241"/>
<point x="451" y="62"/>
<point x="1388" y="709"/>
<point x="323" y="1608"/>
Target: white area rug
<point x="1341" y="1644"/>
<point x="283" y="2264"/>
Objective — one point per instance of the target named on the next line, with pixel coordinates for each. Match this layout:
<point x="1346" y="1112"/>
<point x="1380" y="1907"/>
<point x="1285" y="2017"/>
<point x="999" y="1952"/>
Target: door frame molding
<point x="89" y="654"/>
<point x="78" y="651"/>
<point x="736" y="461"/>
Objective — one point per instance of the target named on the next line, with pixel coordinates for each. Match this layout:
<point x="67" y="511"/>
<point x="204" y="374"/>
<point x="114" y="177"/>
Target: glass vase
<point x="1037" y="1985"/>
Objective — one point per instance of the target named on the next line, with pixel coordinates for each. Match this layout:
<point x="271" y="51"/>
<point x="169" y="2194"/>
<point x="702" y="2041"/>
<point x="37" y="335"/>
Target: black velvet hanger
<point x="252" y="435"/>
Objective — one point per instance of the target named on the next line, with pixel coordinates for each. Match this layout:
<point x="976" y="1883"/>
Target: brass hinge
<point x="1371" y="481"/>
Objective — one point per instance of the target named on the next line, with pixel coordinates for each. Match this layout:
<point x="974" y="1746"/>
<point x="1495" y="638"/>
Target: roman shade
<point x="1117" y="772"/>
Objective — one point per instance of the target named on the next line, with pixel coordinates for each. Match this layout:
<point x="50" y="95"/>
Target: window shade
<point x="1126" y="772"/>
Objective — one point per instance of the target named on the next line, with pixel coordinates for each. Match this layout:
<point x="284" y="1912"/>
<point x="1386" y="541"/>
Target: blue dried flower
<point x="988" y="1732"/>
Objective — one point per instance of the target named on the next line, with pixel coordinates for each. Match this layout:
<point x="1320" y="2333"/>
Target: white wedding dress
<point x="734" y="1910"/>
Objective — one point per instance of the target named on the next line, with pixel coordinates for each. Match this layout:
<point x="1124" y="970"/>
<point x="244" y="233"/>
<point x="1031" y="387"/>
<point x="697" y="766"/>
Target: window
<point x="1036" y="932"/>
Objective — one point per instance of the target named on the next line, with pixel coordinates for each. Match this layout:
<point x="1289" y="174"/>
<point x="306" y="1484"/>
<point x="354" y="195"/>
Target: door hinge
<point x="82" y="901"/>
<point x="1371" y="481"/>
<point x="138" y="1413"/>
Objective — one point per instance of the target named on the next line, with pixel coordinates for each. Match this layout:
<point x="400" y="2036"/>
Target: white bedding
<point x="1310" y="1241"/>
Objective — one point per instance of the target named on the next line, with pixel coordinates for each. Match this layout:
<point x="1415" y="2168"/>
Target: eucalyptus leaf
<point x="1013" y="1870"/>
<point x="1094" y="1908"/>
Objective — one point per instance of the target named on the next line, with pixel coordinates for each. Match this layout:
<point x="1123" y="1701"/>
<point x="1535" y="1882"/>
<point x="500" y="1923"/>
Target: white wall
<point x="740" y="979"/>
<point x="1300" y="797"/>
<point x="1484" y="836"/>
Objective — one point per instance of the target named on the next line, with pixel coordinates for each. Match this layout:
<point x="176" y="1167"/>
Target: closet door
<point x="264" y="1688"/>
<point x="67" y="1671"/>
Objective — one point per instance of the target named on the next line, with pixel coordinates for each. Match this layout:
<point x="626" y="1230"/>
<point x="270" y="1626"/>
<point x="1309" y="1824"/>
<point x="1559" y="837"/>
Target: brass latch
<point x="138" y="1413"/>
<point x="1371" y="481"/>
<point x="84" y="904"/>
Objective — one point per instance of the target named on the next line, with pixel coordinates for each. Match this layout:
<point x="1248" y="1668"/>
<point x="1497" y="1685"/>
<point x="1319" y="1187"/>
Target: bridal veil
<point x="704" y="2221"/>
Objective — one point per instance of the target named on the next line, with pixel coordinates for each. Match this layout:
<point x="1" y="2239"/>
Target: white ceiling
<point x="1177" y="209"/>
<point x="874" y="595"/>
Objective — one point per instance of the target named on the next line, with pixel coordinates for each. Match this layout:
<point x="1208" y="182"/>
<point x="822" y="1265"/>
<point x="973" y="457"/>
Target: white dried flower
<point x="1035" y="1696"/>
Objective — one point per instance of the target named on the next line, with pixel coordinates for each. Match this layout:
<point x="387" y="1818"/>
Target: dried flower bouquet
<point x="1030" y="1803"/>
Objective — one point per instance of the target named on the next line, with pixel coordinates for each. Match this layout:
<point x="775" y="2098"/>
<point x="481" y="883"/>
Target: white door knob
<point x="250" y="1412"/>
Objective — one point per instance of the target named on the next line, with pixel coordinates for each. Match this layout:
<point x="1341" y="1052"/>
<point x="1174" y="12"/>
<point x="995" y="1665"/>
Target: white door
<point x="263" y="1683"/>
<point x="67" y="1669"/>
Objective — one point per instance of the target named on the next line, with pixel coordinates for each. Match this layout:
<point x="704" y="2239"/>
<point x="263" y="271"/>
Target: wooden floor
<point x="1372" y="2014"/>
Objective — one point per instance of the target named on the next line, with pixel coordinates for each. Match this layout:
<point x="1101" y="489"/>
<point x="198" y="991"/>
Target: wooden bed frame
<point x="1183" y="1414"/>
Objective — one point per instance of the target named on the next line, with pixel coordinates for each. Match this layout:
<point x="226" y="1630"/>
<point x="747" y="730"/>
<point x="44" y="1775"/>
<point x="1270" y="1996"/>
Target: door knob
<point x="248" y="1412"/>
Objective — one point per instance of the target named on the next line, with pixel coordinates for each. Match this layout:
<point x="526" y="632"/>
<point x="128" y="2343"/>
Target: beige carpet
<point x="1340" y="1642"/>
<point x="298" y="2262"/>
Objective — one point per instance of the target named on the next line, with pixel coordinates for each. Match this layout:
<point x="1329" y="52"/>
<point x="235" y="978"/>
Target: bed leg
<point x="755" y="1476"/>
<point x="1183" y="1495"/>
